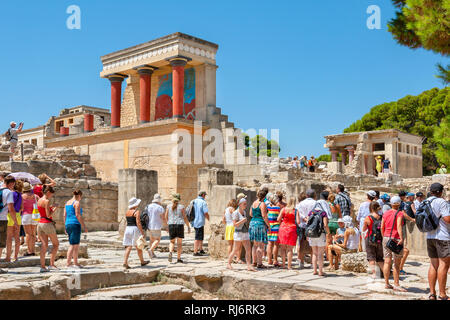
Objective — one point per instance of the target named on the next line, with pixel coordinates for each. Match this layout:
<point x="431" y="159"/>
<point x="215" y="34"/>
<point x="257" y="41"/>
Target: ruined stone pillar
<point x="351" y="153"/>
<point x="334" y="154"/>
<point x="116" y="97"/>
<point x="145" y="82"/>
<point x="178" y="64"/>
<point x="344" y="157"/>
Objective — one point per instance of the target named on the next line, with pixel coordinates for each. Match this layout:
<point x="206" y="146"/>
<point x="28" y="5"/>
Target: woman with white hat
<point x="176" y="219"/>
<point x="349" y="245"/>
<point x="133" y="232"/>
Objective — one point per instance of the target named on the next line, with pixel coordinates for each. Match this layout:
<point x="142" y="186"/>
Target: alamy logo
<point x="374" y="20"/>
<point x="74" y="20"/>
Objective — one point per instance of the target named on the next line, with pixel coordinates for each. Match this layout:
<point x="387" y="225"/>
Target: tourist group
<point x="322" y="225"/>
<point x="26" y="216"/>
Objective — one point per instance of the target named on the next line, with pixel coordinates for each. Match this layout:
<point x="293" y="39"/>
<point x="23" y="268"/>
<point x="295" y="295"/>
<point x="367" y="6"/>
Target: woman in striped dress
<point x="272" y="234"/>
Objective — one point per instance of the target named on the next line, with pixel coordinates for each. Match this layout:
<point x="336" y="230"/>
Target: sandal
<point x="126" y="266"/>
<point x="432" y="297"/>
<point x="403" y="273"/>
<point x="443" y="298"/>
<point x="388" y="286"/>
<point x="261" y="266"/>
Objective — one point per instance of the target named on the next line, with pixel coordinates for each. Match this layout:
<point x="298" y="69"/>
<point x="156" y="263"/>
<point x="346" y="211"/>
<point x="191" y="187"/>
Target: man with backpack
<point x="12" y="135"/>
<point x="343" y="200"/>
<point x="303" y="210"/>
<point x="408" y="225"/>
<point x="374" y="238"/>
<point x="201" y="212"/>
<point x="438" y="241"/>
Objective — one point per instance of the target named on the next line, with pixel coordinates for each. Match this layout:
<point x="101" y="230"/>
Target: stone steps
<point x="67" y="284"/>
<point x="62" y="250"/>
<point x="140" y="292"/>
<point x="23" y="262"/>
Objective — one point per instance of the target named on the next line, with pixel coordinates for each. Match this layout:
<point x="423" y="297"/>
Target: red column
<point x="145" y="83"/>
<point x="88" y="122"/>
<point x="64" y="131"/>
<point x="178" y="86"/>
<point x="351" y="154"/>
<point x="116" y="97"/>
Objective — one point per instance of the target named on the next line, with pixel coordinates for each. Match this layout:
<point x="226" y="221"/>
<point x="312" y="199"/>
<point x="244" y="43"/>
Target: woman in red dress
<point x="287" y="235"/>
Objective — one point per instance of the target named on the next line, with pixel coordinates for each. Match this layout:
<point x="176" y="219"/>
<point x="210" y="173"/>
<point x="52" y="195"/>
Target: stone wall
<point x="99" y="203"/>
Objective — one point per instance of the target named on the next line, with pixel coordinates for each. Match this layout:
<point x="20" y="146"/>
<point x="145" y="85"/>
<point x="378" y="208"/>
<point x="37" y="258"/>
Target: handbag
<point x="391" y="244"/>
<point x="35" y="215"/>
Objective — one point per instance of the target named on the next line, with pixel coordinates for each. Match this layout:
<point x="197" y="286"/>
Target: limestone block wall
<point x="139" y="183"/>
<point x="130" y="103"/>
<point x="99" y="203"/>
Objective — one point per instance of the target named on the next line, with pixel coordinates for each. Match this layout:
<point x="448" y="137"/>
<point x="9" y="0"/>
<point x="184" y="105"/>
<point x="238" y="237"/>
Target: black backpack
<point x="408" y="210"/>
<point x="426" y="220"/>
<point x="314" y="227"/>
<point x="190" y="211"/>
<point x="1" y="199"/>
<point x="8" y="135"/>
<point x="144" y="219"/>
<point x="375" y="236"/>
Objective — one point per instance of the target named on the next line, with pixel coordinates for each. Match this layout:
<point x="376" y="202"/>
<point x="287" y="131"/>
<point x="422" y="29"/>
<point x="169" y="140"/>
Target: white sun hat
<point x="133" y="203"/>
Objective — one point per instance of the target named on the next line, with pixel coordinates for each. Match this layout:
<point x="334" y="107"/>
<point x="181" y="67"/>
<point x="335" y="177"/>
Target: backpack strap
<point x="393" y="224"/>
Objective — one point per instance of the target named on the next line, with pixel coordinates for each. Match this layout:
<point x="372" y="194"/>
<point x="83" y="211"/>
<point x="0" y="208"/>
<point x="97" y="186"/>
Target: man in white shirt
<point x="8" y="206"/>
<point x="303" y="209"/>
<point x="438" y="243"/>
<point x="155" y="220"/>
<point x="363" y="213"/>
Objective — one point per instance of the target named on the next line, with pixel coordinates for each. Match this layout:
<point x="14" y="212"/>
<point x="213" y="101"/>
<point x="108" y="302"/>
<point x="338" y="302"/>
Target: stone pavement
<point x="103" y="277"/>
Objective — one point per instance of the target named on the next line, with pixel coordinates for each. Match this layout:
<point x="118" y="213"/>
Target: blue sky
<point x="308" y="68"/>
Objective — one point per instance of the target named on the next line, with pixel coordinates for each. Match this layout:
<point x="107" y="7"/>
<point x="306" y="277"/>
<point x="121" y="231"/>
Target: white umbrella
<point x="26" y="176"/>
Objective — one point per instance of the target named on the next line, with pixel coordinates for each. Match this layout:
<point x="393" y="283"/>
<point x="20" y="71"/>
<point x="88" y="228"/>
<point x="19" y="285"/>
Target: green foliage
<point x="422" y="24"/>
<point x="443" y="74"/>
<point x="420" y="115"/>
<point x="442" y="138"/>
<point x="327" y="158"/>
<point x="261" y="145"/>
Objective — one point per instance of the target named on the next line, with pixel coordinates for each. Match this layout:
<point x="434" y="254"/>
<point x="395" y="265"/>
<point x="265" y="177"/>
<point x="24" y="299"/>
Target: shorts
<point x="11" y="222"/>
<point x="229" y="233"/>
<point x="155" y="234"/>
<point x="241" y="236"/>
<point x="13" y="143"/>
<point x="318" y="242"/>
<point x="199" y="233"/>
<point x="27" y="220"/>
<point x="74" y="232"/>
<point x="176" y="231"/>
<point x="388" y="253"/>
<point x="385" y="170"/>
<point x="46" y="228"/>
<point x="3" y="226"/>
<point x="130" y="236"/>
<point x="374" y="253"/>
<point x="438" y="248"/>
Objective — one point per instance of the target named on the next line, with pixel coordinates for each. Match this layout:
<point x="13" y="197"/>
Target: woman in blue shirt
<point x="74" y="222"/>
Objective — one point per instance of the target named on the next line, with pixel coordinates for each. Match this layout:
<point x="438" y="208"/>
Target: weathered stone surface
<point x="208" y="279"/>
<point x="144" y="292"/>
<point x="356" y="262"/>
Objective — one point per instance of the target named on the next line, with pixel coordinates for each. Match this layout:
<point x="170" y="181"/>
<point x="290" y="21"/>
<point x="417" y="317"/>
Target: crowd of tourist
<point x="269" y="229"/>
<point x="28" y="211"/>
<point x="322" y="225"/>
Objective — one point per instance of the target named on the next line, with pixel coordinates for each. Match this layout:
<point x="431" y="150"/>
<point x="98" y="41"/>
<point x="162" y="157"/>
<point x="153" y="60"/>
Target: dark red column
<point x="116" y="98"/>
<point x="88" y="122"/>
<point x="178" y="65"/>
<point x="64" y="131"/>
<point x="145" y="84"/>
